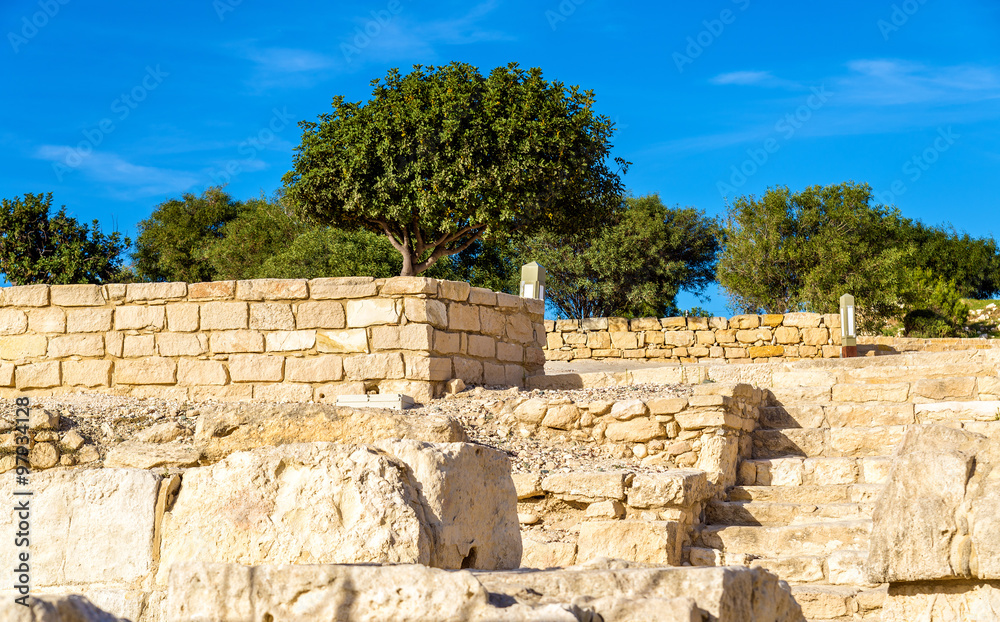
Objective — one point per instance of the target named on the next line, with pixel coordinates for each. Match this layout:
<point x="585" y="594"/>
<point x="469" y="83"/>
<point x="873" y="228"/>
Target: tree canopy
<point x="634" y="265"/>
<point x="37" y="246"/>
<point x="442" y="157"/>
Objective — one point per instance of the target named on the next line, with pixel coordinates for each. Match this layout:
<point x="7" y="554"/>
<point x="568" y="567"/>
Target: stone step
<point x="815" y="539"/>
<point x="827" y="442"/>
<point x="839" y="602"/>
<point x="911" y="372"/>
<point x="763" y="513"/>
<point x="814" y="495"/>
<point x="985" y="411"/>
<point x="845" y="567"/>
<point x="841" y="415"/>
<point x="814" y="471"/>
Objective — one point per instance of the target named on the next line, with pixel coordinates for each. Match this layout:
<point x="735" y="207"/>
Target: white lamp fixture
<point x="533" y="281"/>
<point x="848" y="334"/>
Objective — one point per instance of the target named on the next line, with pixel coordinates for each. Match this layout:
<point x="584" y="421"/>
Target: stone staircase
<point x="803" y="505"/>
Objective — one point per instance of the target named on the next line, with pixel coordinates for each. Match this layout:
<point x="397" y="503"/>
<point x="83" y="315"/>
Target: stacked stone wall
<point x="266" y="339"/>
<point x="739" y="339"/>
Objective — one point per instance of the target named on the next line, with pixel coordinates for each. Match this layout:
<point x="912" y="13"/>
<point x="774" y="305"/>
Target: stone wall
<point x="739" y="339"/>
<point x="267" y="339"/>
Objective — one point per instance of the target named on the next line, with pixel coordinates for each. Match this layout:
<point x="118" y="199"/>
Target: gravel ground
<point x="106" y="420"/>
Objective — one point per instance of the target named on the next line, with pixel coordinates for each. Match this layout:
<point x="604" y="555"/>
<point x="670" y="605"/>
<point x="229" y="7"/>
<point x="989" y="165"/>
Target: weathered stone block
<point x="554" y="341"/>
<point x="413" y="285"/>
<point x="561" y="417"/>
<point x="76" y="345"/>
<point x="629" y="409"/>
<point x="469" y="370"/>
<point x="181" y="344"/>
<point x="491" y="322"/>
<point x="493" y="374"/>
<point x="154" y="291"/>
<point x="744" y="322"/>
<point x="88" y="320"/>
<point x="644" y="323"/>
<point x="598" y="340"/>
<point x="482" y="296"/>
<point x="193" y="373"/>
<point x="374" y="366"/>
<point x="684" y="487"/>
<point x="212" y="290"/>
<point x="224" y="315"/>
<point x="350" y="340"/>
<point x="765" y="351"/>
<point x="419" y="367"/>
<point x="271" y="316"/>
<point x="37" y="375"/>
<point x="679" y="338"/>
<point x="236" y="341"/>
<point x="323" y="314"/>
<point x="272" y="289"/>
<point x="140" y="318"/>
<point x="282" y="392"/>
<point x="14" y="322"/>
<point x="589" y="487"/>
<point x="24" y="296"/>
<point x="323" y="368"/>
<point x="77" y="296"/>
<point x="373" y="311"/>
<point x="482" y="347"/>
<point x="135" y="346"/>
<point x="509" y="301"/>
<point x="754" y="335"/>
<point x="454" y="290"/>
<point x="256" y="368"/>
<point x="152" y="370"/>
<point x="290" y="340"/>
<point x="653" y="542"/>
<point x="510" y="352"/>
<point x="815" y="336"/>
<point x="6" y="374"/>
<point x="943" y="388"/>
<point x="771" y="320"/>
<point x="342" y="287"/>
<point x="53" y="319"/>
<point x="463" y="317"/>
<point x="802" y="320"/>
<point x="787" y="335"/>
<point x="426" y="311"/>
<point x="635" y="431"/>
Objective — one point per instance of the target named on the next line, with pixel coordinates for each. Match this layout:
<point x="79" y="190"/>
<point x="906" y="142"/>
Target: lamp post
<point x="533" y="281"/>
<point x="848" y="334"/>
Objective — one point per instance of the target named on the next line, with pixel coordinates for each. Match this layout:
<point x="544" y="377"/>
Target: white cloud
<point x="883" y="82"/>
<point x="742" y="77"/>
<point x="123" y="179"/>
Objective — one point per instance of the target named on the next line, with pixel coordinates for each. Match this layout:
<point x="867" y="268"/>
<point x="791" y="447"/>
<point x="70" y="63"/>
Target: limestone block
<point x="236" y="341"/>
<point x="24" y="296"/>
<point x="727" y="337"/>
<point x="454" y="290"/>
<point x="137" y="317"/>
<point x="491" y="322"/>
<point x="282" y="392"/>
<point x="787" y="335"/>
<point x="629" y="409"/>
<point x="426" y="311"/>
<point x="78" y="345"/>
<point x="943" y="388"/>
<point x="290" y="340"/>
<point x="635" y="431"/>
<point x="583" y="486"/>
<point x="599" y="340"/>
<point x="372" y="311"/>
<point x="77" y="296"/>
<point x="815" y="336"/>
<point x="482" y="296"/>
<point x="98" y="523"/>
<point x="624" y="340"/>
<point x="534" y="358"/>
<point x="683" y="487"/>
<point x="802" y="320"/>
<point x="644" y="323"/>
<point x="350" y="340"/>
<point x="133" y="454"/>
<point x="193" y="372"/>
<point x="152" y="370"/>
<point x="532" y="411"/>
<point x="14" y="322"/>
<point x="755" y="352"/>
<point x="222" y="315"/>
<point x="494" y="375"/>
<point x="409" y="337"/>
<point x="463" y="317"/>
<point x="272" y="289"/>
<point x="561" y="417"/>
<point x="328" y="393"/>
<point x="527" y="485"/>
<point x="374" y="366"/>
<point x="482" y="346"/>
<point x="830" y="471"/>
<point x="114" y="343"/>
<point x="697" y="323"/>
<point x="400" y="285"/>
<point x="539" y="553"/>
<point x="567" y="326"/>
<point x="421" y="391"/>
<point x="951" y="601"/>
<point x="468" y="370"/>
<point x="6" y="374"/>
<point x="666" y="405"/>
<point x="470" y="502"/>
<point x="271" y="316"/>
<point x="181" y="344"/>
<point x="831" y="320"/>
<point x="37" y="375"/>
<point x="653" y="542"/>
<point x="510" y="352"/>
<point x="87" y="373"/>
<point x="342" y="287"/>
<point x="750" y="336"/>
<point x="51" y="320"/>
<point x="420" y="367"/>
<point x="509" y="301"/>
<point x="554" y="341"/>
<point x="214" y="289"/>
<point x="718" y="457"/>
<point x="673" y="323"/>
<point x="744" y="322"/>
<point x="58" y="608"/>
<point x="135" y="346"/>
<point x="256" y="368"/>
<point x="679" y="338"/>
<point x="301" y="503"/>
<point x="886" y="392"/>
<point x="447" y="343"/>
<point x="780" y="472"/>
<point x="323" y="368"/>
<point x="87" y="320"/>
<point x="323" y="314"/>
<point x="154" y="291"/>
<point x="771" y="320"/>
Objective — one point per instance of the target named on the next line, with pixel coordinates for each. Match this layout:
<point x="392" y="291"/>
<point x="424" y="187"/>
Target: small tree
<point x="442" y="157"/>
<point x="37" y="246"/>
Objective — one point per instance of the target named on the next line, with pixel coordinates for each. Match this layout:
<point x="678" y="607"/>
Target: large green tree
<point x="633" y="266"/>
<point x="39" y="246"/>
<point x="442" y="157"/>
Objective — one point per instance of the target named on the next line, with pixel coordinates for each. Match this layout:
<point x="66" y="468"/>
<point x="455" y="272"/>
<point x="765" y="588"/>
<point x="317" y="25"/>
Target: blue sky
<point x="117" y="106"/>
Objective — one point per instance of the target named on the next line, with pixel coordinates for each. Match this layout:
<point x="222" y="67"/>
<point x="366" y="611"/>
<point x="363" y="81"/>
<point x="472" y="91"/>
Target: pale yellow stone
<point x="374" y="366"/>
<point x="679" y="338"/>
<point x="328" y="393"/>
<point x="182" y="317"/>
<point x="469" y="370"/>
<point x="210" y="290"/>
<point x="224" y="315"/>
<point x="256" y="368"/>
<point x="482" y="296"/>
<point x="493" y="374"/>
<point x="135" y="346"/>
<point x="463" y="317"/>
<point x="37" y="375"/>
<point x="181" y="344"/>
<point x="454" y="290"/>
<point x="554" y="341"/>
<point x="323" y="368"/>
<point x="24" y="296"/>
<point x="53" y="319"/>
<point x="447" y="343"/>
<point x="342" y="287"/>
<point x="787" y="335"/>
<point x="426" y="310"/>
<point x="744" y="322"/>
<point x="114" y="343"/>
<point x="598" y="340"/>
<point x="510" y="352"/>
<point x="154" y="291"/>
<point x="151" y="370"/>
<point x="644" y="323"/>
<point x="282" y="392"/>
<point x="637" y="430"/>
<point x="160" y="392"/>
<point x="482" y="346"/>
<point x="765" y="351"/>
<point x="753" y="336"/>
<point x="14" y="322"/>
<point x="323" y="314"/>
<point x="491" y="322"/>
<point x="6" y="374"/>
<point x="76" y="345"/>
<point x="372" y="311"/>
<point x="87" y="373"/>
<point x="815" y="336"/>
<point x="520" y="329"/>
<point x="139" y="318"/>
<point x="236" y="341"/>
<point x="193" y="372"/>
<point x="350" y="340"/>
<point x="77" y="295"/>
<point x="290" y="340"/>
<point x="399" y="285"/>
<point x="802" y="320"/>
<point x="272" y="289"/>
<point x="89" y="320"/>
<point x="420" y="367"/>
<point x="271" y="316"/>
<point x="509" y="301"/>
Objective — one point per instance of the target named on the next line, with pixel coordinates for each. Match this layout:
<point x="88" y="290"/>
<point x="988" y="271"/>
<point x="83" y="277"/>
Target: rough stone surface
<point x="653" y="542"/>
<point x="71" y="608"/>
<point x="952" y="601"/>
<point x="145" y="455"/>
